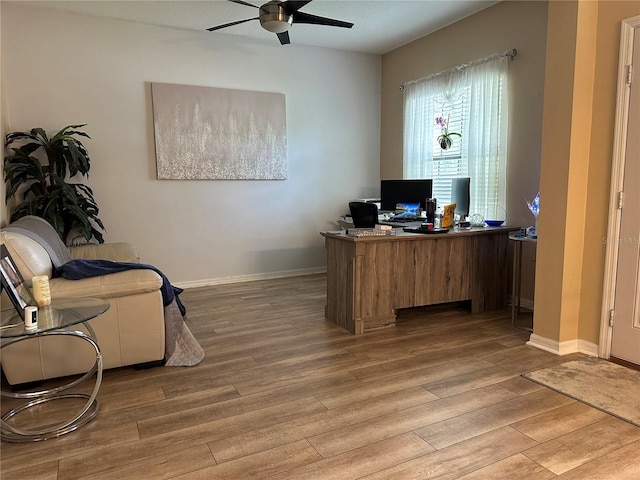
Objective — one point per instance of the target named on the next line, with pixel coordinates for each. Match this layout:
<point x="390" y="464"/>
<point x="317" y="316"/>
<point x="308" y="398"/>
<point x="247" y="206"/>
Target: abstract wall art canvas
<point x="207" y="133"/>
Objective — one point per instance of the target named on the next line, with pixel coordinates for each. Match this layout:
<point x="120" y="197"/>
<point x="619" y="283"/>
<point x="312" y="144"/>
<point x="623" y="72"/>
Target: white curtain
<point x="422" y="98"/>
<point x="418" y="137"/>
<point x="484" y="133"/>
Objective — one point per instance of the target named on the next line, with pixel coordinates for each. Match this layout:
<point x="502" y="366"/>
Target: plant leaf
<point x="43" y="190"/>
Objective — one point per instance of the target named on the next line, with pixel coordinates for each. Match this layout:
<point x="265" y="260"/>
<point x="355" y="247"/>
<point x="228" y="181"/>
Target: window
<point x="472" y="101"/>
<point x="452" y="162"/>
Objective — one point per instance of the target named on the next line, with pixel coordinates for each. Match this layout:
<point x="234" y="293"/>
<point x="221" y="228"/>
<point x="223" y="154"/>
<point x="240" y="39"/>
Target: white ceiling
<point x="380" y="25"/>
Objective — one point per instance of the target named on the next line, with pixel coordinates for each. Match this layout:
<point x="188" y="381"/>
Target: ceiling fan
<point x="278" y="16"/>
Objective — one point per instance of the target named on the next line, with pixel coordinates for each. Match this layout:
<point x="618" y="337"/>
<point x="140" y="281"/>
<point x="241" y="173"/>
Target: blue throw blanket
<point x="80" y="268"/>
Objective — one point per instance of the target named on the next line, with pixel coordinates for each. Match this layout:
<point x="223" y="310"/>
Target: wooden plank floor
<point x="284" y="394"/>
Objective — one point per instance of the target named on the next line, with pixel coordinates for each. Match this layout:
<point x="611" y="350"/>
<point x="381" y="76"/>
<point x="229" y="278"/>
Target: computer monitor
<point x="461" y="195"/>
<point x="393" y="192"/>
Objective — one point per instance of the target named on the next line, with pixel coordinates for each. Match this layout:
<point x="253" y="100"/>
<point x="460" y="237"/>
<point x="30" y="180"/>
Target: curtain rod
<point x="509" y="53"/>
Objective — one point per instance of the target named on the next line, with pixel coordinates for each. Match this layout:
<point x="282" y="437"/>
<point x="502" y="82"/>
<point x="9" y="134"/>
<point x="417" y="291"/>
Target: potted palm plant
<point x="44" y="188"/>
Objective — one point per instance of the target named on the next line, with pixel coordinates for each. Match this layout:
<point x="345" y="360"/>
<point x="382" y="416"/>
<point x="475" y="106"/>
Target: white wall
<point x="61" y="69"/>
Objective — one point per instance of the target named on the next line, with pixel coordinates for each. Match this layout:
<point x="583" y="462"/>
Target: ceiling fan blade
<point x="211" y="29"/>
<point x="284" y="38"/>
<point x="300" y="17"/>
<point x="244" y="3"/>
<point x="292" y="6"/>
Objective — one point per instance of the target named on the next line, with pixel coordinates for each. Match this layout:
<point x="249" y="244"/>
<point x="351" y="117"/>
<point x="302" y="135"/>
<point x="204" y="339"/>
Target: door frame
<point x="617" y="177"/>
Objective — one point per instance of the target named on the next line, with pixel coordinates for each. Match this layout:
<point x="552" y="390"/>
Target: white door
<point x="625" y="343"/>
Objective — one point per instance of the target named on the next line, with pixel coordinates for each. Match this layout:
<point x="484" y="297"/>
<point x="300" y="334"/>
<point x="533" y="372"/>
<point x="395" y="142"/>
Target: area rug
<point x="604" y="385"/>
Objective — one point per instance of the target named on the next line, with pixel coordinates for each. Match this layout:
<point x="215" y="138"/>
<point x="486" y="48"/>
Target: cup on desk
<point x="427" y="226"/>
<point x="41" y="291"/>
<point x="431" y="204"/>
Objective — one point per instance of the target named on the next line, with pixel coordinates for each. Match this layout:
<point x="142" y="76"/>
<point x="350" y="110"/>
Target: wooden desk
<point x="369" y="278"/>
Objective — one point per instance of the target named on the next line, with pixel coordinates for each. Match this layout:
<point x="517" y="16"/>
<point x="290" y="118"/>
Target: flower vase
<point x="532" y="231"/>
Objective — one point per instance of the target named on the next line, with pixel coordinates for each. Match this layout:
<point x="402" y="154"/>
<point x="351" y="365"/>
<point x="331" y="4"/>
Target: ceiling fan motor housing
<point x="273" y="17"/>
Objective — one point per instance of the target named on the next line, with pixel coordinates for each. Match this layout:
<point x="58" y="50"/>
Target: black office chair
<point x="364" y="215"/>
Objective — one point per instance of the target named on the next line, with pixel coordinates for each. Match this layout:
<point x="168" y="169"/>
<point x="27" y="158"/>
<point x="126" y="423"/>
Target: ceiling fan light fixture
<point x="277" y="16"/>
<point x="274" y="19"/>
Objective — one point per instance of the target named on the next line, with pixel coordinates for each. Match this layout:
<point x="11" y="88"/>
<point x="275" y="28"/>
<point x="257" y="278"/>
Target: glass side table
<point x="54" y="320"/>
<point x="517" y="277"/>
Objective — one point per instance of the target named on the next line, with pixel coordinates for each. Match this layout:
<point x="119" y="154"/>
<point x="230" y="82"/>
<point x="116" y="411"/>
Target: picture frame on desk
<point x="11" y="280"/>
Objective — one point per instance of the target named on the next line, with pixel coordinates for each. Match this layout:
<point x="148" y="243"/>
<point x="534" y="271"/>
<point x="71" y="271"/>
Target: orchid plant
<point x="445" y="139"/>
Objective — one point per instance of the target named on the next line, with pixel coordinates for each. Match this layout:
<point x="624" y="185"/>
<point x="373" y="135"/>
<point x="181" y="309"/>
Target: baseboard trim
<point x="588" y="348"/>
<point x="563" y="348"/>
<point x="250" y="278"/>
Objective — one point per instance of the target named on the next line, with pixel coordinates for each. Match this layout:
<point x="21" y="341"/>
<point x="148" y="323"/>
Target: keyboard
<point x="369" y="232"/>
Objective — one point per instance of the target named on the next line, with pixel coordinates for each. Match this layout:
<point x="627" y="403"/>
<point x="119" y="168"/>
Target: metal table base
<point x="11" y="433"/>
<point x="517" y="278"/>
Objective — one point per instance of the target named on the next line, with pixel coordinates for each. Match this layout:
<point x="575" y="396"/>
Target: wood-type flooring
<point x="285" y="394"/>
